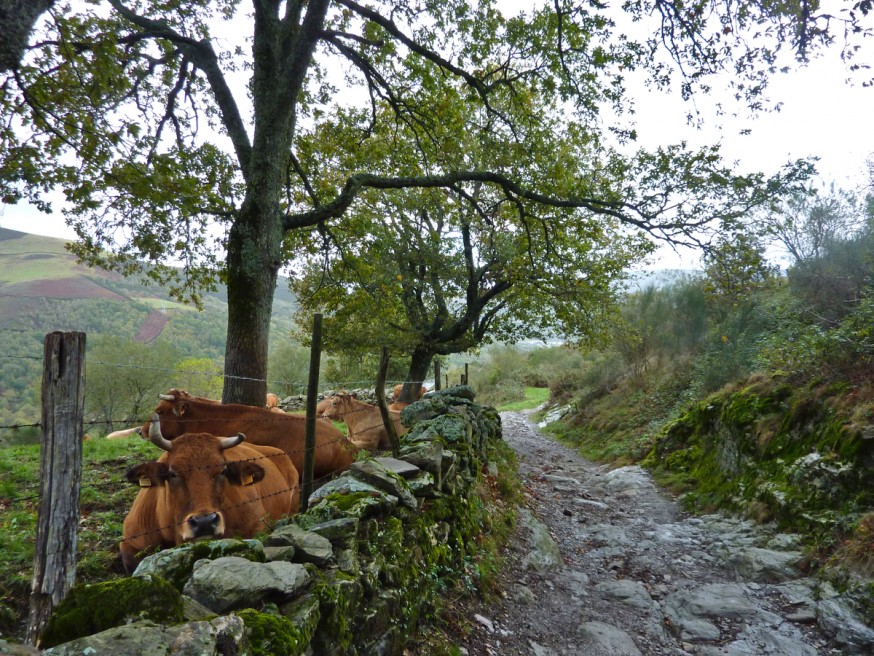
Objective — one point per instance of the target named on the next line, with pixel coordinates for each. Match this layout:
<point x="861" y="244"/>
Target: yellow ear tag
<point x="145" y="482"/>
<point x="248" y="480"/>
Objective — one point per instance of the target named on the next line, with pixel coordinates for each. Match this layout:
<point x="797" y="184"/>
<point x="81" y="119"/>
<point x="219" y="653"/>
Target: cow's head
<point x="172" y="410"/>
<point x="334" y="406"/>
<point x="195" y="474"/>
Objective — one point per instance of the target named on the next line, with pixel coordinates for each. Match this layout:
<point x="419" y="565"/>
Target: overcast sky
<point x="822" y="116"/>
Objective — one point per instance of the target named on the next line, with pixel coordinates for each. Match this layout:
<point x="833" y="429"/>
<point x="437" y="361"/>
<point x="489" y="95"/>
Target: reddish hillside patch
<point x="152" y="326"/>
<point x="78" y="287"/>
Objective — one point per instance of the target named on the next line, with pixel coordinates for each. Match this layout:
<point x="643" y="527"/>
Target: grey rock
<point x="285" y="553"/>
<point x="627" y="592"/>
<point x="402" y="468"/>
<point x="175" y="564"/>
<point x="689" y="611"/>
<point x="309" y="547"/>
<point x="342" y="531"/>
<point x="600" y="639"/>
<point x="380" y="477"/>
<point x="765" y="565"/>
<point x="373" y="500"/>
<point x="147" y="638"/>
<point x="427" y="456"/>
<point x="606" y="535"/>
<point x="423" y="486"/>
<point x="626" y="481"/>
<point x="577" y="583"/>
<point x="762" y="641"/>
<point x="840" y="621"/>
<point x="544" y="555"/>
<point x="193" y="611"/>
<point x="539" y="650"/>
<point x="552" y="478"/>
<point x="227" y="583"/>
<point x="588" y="503"/>
<point x="522" y="594"/>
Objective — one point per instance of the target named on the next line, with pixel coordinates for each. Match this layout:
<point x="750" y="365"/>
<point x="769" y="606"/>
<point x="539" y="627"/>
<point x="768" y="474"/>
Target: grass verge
<point x="104" y="500"/>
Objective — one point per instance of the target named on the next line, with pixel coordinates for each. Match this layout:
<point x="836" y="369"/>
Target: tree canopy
<point x="181" y="131"/>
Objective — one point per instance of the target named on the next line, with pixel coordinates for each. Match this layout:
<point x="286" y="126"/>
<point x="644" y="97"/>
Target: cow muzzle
<point x="209" y="525"/>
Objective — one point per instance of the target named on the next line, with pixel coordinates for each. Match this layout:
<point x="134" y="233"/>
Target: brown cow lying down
<point x="364" y="421"/>
<point x="206" y="487"/>
<point x="180" y="412"/>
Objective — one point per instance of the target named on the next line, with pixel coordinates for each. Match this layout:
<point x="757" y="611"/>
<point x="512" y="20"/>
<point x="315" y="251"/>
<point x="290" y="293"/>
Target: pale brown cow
<point x="180" y="412"/>
<point x="206" y="487"/>
<point x="364" y="421"/>
<point x="396" y="405"/>
<point x="121" y="434"/>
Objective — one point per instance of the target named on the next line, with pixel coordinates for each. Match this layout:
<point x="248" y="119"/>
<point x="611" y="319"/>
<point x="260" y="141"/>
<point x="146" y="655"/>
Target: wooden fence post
<point x="309" y="455"/>
<point x="436" y="374"/>
<point x="60" y="472"/>
<point x="393" y="438"/>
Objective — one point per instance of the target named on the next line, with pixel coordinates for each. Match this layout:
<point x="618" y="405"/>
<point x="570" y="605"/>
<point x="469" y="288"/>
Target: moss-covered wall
<point x="774" y="450"/>
<point x="397" y="542"/>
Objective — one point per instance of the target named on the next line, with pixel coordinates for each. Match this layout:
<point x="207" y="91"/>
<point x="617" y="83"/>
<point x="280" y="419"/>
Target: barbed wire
<point x="257" y="499"/>
<point x="128" y="421"/>
<point x="185" y="470"/>
<point x="206" y="374"/>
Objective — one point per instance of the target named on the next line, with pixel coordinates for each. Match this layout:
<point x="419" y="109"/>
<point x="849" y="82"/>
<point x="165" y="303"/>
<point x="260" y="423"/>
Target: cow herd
<point x="228" y="469"/>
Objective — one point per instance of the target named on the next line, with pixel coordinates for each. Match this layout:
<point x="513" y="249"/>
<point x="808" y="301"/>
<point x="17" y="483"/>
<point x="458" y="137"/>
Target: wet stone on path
<point x="603" y="563"/>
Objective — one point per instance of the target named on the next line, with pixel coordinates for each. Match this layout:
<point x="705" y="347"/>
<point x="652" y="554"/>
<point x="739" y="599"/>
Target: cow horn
<point x="230" y="442"/>
<point x="155" y="434"/>
<point x="166" y="397"/>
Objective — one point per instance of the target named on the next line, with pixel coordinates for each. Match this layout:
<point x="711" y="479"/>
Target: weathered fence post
<point x="60" y="471"/>
<point x="380" y="402"/>
<point x="436" y="374"/>
<point x="309" y="455"/>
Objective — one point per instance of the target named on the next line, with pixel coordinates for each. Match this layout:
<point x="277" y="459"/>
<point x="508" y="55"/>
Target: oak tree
<point x="173" y="128"/>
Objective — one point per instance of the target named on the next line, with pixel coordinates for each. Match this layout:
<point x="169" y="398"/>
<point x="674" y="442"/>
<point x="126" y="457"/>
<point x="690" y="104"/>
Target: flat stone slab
<point x="402" y="468"/>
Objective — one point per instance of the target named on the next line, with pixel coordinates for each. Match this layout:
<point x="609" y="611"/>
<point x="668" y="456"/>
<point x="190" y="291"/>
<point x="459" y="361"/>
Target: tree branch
<point x="202" y="55"/>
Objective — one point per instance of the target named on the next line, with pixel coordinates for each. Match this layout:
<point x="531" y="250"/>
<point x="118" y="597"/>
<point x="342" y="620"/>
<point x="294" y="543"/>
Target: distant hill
<point x="43" y="289"/>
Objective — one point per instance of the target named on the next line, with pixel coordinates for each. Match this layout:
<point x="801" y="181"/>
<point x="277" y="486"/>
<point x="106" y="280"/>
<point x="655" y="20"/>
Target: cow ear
<point x="180" y="408"/>
<point x="244" y="473"/>
<point x="148" y="474"/>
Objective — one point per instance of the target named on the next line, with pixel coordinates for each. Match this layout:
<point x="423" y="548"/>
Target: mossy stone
<point x="96" y="607"/>
<point x="273" y="635"/>
<point x="176" y="564"/>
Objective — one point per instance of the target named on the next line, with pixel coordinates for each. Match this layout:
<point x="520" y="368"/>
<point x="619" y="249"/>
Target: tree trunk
<point x="17" y="18"/>
<point x="420" y="364"/>
<point x="253" y="269"/>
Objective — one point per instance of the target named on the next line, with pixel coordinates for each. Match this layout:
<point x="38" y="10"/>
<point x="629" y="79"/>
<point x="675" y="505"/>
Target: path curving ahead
<point x="605" y="564"/>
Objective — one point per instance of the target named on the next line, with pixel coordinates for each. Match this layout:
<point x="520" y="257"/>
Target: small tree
<point x="807" y="221"/>
<point x="200" y="376"/>
<point x="123" y="379"/>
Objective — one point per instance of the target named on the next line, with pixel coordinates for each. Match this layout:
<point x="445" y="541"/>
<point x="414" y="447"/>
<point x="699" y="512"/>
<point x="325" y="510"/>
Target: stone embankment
<point x="605" y="564"/>
<point x="352" y="575"/>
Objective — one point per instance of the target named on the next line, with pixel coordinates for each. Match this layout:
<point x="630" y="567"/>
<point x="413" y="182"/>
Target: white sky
<point x="822" y="116"/>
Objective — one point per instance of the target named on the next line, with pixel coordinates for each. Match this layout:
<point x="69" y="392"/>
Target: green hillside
<point x="43" y="289"/>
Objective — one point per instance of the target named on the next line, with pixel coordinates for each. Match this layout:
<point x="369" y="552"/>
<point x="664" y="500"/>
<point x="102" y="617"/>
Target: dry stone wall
<point x="353" y="575"/>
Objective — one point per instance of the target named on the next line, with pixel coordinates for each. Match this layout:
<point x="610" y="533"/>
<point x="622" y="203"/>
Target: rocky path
<point x="604" y="564"/>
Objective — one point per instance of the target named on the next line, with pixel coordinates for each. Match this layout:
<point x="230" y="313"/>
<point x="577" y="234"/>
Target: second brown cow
<point x="180" y="412"/>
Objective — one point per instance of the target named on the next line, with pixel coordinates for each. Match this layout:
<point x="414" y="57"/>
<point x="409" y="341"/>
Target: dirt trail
<point x="604" y="563"/>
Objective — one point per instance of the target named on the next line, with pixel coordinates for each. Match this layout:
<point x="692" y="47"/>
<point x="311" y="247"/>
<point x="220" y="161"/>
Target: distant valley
<point x="43" y="289"/>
